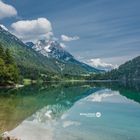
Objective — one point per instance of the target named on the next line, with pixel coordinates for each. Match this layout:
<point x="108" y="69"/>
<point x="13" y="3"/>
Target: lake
<point x="72" y="111"/>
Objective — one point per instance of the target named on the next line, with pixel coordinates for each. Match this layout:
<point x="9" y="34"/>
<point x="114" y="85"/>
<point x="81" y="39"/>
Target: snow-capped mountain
<point x="45" y="56"/>
<point x="51" y="49"/>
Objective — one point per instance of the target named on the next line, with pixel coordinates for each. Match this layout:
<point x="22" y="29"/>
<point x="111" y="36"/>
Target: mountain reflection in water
<point x="18" y="104"/>
<point x="42" y="103"/>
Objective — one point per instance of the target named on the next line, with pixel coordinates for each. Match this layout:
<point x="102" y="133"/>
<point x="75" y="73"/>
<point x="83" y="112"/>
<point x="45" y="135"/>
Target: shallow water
<point x="85" y="111"/>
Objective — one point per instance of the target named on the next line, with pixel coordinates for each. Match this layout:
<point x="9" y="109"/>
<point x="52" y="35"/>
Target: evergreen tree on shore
<point x="9" y="73"/>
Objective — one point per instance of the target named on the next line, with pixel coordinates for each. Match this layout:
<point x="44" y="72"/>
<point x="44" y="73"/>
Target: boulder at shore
<point x="6" y="136"/>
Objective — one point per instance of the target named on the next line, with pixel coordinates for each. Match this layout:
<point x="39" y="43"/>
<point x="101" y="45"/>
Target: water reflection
<point x="44" y="104"/>
<point x="17" y="104"/>
<point x="131" y="89"/>
<point x="62" y="120"/>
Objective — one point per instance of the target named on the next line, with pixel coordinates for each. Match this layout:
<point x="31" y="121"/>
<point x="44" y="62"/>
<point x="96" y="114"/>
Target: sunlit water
<point x="71" y="112"/>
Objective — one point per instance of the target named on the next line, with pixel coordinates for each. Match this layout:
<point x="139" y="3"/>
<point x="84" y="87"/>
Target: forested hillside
<point x="9" y="72"/>
<point x="127" y="71"/>
<point x="32" y="64"/>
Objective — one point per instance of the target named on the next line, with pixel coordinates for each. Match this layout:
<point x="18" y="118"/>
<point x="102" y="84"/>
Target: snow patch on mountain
<point x="2" y="26"/>
<point x="52" y="49"/>
<point x="47" y="48"/>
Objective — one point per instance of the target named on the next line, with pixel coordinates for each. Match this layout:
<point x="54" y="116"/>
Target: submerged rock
<point x="6" y="136"/>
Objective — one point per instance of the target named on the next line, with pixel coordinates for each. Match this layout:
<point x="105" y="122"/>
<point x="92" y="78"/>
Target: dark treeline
<point x="9" y="72"/>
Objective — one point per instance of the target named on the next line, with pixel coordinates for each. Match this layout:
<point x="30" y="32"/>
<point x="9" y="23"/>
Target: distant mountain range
<point x="45" y="56"/>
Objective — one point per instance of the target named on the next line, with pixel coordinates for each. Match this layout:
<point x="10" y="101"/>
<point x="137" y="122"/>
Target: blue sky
<point x="107" y="29"/>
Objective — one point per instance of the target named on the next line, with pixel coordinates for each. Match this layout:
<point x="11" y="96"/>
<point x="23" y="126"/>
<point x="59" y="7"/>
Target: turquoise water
<point x="85" y="111"/>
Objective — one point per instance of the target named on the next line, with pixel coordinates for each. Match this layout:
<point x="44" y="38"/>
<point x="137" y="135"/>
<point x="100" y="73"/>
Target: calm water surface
<point x="85" y="111"/>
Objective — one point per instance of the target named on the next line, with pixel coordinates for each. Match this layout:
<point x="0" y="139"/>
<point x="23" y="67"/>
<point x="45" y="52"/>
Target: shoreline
<point x="11" y="86"/>
<point x="64" y="81"/>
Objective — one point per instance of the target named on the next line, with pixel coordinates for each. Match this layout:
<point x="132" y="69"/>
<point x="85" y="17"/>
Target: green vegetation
<point x="12" y="73"/>
<point x="126" y="72"/>
<point x="21" y="64"/>
<point x="35" y="66"/>
<point x="32" y="64"/>
<point x="9" y="73"/>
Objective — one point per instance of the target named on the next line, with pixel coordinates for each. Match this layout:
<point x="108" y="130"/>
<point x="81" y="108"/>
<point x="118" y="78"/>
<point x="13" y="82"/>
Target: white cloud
<point x="32" y="30"/>
<point x="2" y="26"/>
<point x="68" y="38"/>
<point x="98" y="63"/>
<point x="7" y="10"/>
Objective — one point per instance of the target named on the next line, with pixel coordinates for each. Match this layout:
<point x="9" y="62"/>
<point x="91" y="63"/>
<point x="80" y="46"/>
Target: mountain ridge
<point x="53" y="49"/>
<point x="29" y="59"/>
